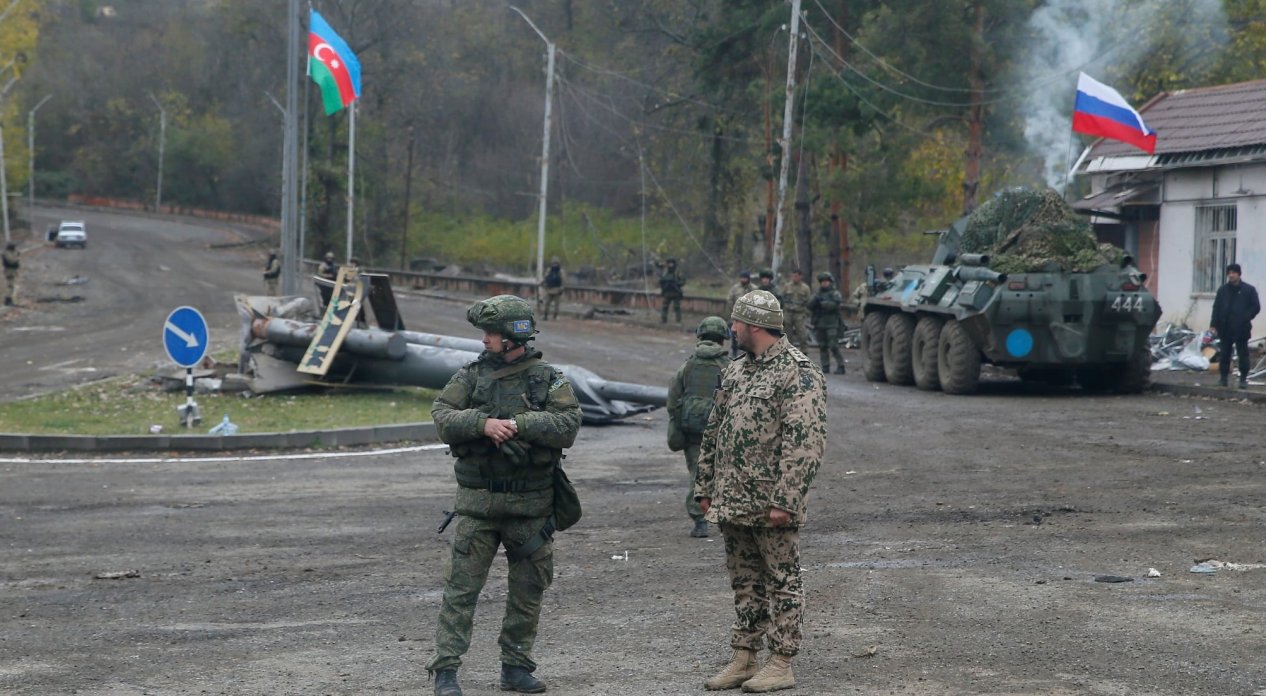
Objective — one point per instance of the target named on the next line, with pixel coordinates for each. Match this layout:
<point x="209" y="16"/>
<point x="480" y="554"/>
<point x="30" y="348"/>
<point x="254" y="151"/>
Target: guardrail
<point x="619" y="298"/>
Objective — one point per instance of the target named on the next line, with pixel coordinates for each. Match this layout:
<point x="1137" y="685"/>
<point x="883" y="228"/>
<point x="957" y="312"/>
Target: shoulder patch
<point x="558" y="384"/>
<point x="808" y="380"/>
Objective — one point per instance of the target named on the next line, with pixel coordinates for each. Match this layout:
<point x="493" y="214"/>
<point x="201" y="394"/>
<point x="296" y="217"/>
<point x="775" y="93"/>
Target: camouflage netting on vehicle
<point x="1024" y="231"/>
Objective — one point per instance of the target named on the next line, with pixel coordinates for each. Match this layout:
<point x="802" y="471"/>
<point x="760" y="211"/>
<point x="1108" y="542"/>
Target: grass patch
<point x="130" y="405"/>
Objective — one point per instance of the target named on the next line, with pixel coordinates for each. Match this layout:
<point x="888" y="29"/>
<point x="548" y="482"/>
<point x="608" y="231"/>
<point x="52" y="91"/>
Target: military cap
<point x="759" y="308"/>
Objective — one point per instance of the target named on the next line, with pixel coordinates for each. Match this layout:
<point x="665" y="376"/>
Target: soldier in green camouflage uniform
<point x="795" y="310"/>
<point x="761" y="450"/>
<point x="671" y="282"/>
<point x="12" y="262"/>
<point x="272" y="272"/>
<point x="690" y="402"/>
<point x="507" y="417"/>
<point x="827" y="322"/>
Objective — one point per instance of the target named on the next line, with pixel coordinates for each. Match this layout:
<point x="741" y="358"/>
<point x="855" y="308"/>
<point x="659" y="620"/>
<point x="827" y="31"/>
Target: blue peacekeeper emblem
<point x="1019" y="343"/>
<point x="521" y="327"/>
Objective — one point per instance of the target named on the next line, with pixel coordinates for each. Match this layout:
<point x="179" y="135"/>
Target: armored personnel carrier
<point x="1022" y="284"/>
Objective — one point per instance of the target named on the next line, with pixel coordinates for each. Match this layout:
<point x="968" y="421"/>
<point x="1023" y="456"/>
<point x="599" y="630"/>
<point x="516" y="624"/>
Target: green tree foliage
<point x="665" y="123"/>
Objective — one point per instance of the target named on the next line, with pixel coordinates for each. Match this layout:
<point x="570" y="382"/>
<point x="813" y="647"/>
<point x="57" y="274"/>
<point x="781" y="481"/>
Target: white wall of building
<point x="1182" y="192"/>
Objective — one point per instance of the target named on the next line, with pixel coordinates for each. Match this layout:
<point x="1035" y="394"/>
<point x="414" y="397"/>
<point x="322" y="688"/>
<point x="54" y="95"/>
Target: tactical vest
<point x="504" y="393"/>
<point x="826" y="308"/>
<point x="700" y="380"/>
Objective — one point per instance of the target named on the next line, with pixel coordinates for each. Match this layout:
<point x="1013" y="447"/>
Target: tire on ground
<point x="873" y="346"/>
<point x="958" y="360"/>
<point x="924" y="352"/>
<point x="1134" y="376"/>
<point x="898" y="338"/>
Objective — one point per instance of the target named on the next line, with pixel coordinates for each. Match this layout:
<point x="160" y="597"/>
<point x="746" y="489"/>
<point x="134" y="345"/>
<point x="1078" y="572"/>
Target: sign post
<point x="185" y="338"/>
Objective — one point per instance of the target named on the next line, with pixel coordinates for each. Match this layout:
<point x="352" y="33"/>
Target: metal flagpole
<point x="290" y="152"/>
<point x="351" y="176"/>
<point x="785" y="144"/>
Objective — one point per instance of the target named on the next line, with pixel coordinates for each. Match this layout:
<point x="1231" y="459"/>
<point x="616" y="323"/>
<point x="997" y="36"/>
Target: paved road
<point x="137" y="269"/>
<point x="953" y="549"/>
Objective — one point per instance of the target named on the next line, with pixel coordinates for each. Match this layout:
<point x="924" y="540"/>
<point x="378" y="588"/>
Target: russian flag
<point x="1102" y="111"/>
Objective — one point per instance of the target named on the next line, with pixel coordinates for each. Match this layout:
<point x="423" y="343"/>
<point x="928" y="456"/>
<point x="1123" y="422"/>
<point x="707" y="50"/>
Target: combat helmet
<point x="824" y="275"/>
<point x="759" y="308"/>
<point x="508" y="315"/>
<point x="713" y="328"/>
<point x="767" y="273"/>
<point x="888" y="272"/>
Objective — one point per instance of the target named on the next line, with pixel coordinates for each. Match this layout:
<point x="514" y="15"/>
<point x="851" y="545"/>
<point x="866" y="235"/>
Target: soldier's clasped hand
<point x="500" y="430"/>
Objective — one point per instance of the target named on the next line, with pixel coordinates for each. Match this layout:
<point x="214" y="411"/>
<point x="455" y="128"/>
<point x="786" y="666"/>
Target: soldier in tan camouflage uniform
<point x="795" y="309"/>
<point x="760" y="453"/>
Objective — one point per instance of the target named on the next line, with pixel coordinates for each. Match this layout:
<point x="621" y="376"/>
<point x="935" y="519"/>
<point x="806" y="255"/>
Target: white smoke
<point x="1099" y="38"/>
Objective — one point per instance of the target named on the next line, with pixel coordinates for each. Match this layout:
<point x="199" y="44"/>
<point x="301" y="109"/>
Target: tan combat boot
<point x="741" y="668"/>
<point x="775" y="675"/>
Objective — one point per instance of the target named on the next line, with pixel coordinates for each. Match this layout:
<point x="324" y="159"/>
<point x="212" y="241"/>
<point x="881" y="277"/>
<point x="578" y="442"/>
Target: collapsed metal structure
<point x="279" y="335"/>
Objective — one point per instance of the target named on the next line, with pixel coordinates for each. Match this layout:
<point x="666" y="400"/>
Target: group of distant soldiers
<point x="800" y="304"/>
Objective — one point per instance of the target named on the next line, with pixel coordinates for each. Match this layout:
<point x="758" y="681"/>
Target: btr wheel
<point x="923" y="353"/>
<point x="958" y="360"/>
<point x="873" y="346"/>
<point x="898" y="337"/>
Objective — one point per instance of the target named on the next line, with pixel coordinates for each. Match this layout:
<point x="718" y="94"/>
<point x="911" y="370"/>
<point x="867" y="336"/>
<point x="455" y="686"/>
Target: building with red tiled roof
<point x="1195" y="205"/>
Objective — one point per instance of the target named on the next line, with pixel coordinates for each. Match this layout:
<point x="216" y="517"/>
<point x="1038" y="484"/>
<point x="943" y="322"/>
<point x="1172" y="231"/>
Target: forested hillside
<point x="666" y="115"/>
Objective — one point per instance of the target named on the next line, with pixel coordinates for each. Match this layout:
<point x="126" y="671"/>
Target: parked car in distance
<point x="71" y="233"/>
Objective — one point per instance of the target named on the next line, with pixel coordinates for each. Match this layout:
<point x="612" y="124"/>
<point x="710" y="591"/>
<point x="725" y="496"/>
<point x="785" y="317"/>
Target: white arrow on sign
<point x="189" y="339"/>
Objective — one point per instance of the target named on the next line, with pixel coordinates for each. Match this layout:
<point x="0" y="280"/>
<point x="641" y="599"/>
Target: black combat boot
<point x="446" y="683"/>
<point x="515" y="678"/>
<point x="1222" y="381"/>
<point x="701" y="529"/>
<point x="1243" y="382"/>
<point x="839" y="369"/>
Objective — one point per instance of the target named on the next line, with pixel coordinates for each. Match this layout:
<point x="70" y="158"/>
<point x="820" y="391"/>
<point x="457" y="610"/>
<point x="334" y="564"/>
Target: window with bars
<point x="1215" y="245"/>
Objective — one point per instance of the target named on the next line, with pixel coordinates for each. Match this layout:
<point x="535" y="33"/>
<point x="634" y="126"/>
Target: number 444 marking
<point x="1127" y="303"/>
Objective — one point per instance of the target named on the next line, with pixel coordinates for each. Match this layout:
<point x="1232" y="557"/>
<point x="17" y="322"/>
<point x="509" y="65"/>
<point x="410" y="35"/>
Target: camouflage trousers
<point x="552" y="300"/>
<point x="675" y="301"/>
<point x="828" y="339"/>
<point x="270" y="286"/>
<point x="692" y="465"/>
<point x="475" y="544"/>
<point x="10" y="286"/>
<point x="793" y="327"/>
<point x="764" y="568"/>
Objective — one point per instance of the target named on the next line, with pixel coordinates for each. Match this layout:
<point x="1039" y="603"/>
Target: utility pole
<point x="162" y="142"/>
<point x="4" y="186"/>
<point x="549" y="100"/>
<point x="285" y="162"/>
<point x="785" y="143"/>
<point x="408" y="190"/>
<point x="290" y="250"/>
<point x="30" y="164"/>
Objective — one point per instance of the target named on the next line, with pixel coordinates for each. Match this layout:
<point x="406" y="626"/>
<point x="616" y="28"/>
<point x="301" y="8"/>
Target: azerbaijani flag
<point x="332" y="65"/>
<point x="1102" y="111"/>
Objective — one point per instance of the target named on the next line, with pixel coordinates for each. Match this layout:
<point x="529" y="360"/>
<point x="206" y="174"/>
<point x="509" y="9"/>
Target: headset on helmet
<point x="507" y="315"/>
<point x="713" y="327"/>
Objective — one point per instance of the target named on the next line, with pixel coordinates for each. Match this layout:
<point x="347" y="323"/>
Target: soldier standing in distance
<point x="12" y="261"/>
<point x="795" y="309"/>
<point x="737" y="290"/>
<point x="507" y="418"/>
<point x="766" y="283"/>
<point x="827" y="322"/>
<point x="553" y="284"/>
<point x="671" y="282"/>
<point x="328" y="270"/>
<point x="690" y="403"/>
<point x="272" y="272"/>
<point x="761" y="451"/>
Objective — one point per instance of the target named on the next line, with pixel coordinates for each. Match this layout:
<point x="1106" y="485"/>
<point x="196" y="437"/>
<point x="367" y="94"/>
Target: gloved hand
<point x="517" y="452"/>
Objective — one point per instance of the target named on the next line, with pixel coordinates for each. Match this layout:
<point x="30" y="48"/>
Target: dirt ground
<point x="953" y="548"/>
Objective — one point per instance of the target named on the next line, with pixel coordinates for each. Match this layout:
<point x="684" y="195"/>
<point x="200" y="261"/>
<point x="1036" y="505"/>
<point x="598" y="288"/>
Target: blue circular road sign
<point x="185" y="336"/>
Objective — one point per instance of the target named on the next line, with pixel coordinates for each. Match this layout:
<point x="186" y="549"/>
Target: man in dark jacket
<point x="1233" y="310"/>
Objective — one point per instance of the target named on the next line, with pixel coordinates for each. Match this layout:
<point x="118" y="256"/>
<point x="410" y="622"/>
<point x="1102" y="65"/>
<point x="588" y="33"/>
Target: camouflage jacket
<point x="671" y="282"/>
<point x="825" y="307"/>
<point x="737" y="290"/>
<point x="328" y="270"/>
<point x="498" y="482"/>
<point x="765" y="438"/>
<point x="795" y="299"/>
<point x="693" y="386"/>
<point x="272" y="269"/>
<point x="11" y="260"/>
